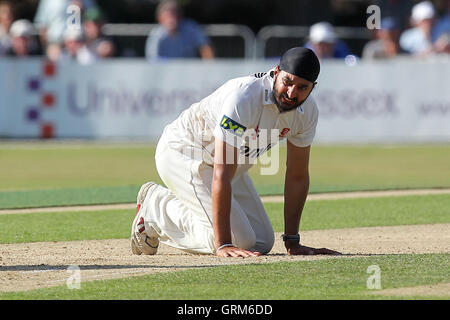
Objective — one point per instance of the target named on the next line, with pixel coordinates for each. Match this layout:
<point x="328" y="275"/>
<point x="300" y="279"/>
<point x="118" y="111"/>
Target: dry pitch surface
<point x="29" y="266"/>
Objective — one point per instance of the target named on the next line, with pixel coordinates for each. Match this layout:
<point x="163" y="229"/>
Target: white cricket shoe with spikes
<point x="143" y="240"/>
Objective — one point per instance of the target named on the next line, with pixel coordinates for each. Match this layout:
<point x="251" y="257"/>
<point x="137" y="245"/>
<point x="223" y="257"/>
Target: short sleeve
<point x="199" y="37"/>
<point x="234" y="120"/>
<point x="308" y="131"/>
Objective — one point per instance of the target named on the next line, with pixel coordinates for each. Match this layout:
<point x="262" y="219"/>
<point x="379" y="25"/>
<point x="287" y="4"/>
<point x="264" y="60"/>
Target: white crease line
<point x="276" y="198"/>
<point x="106" y="275"/>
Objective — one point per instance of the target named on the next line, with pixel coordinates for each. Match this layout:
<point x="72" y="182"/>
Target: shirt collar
<point x="268" y="87"/>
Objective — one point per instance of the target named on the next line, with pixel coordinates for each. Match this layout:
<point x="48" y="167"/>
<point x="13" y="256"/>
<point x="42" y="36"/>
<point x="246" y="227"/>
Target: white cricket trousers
<point x="182" y="214"/>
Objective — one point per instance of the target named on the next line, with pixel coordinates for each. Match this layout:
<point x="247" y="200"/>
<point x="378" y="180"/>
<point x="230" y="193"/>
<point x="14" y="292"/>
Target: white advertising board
<point x="397" y="101"/>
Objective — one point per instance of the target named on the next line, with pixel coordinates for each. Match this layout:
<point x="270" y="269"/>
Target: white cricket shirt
<point x="241" y="112"/>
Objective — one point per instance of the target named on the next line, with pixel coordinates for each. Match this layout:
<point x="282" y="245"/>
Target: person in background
<point x="93" y="20"/>
<point x="22" y="42"/>
<point x="51" y="20"/>
<point x="324" y="42"/>
<point x="400" y="10"/>
<point x="442" y="44"/>
<point x="176" y="37"/>
<point x="442" y="29"/>
<point x="386" y="45"/>
<point x="6" y="20"/>
<point x="75" y="48"/>
<point x="419" y="39"/>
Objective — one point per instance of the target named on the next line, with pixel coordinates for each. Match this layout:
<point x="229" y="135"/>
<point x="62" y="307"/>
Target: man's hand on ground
<point x="236" y="253"/>
<point x="298" y="249"/>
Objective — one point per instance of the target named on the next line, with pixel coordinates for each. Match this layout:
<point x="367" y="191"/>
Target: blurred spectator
<point x="442" y="26"/>
<point x="387" y="43"/>
<point x="51" y="18"/>
<point x="442" y="44"/>
<point x="6" y="19"/>
<point x="74" y="49"/>
<point x="22" y="42"/>
<point x="400" y="10"/>
<point x="95" y="41"/>
<point x="176" y="37"/>
<point x="441" y="30"/>
<point x="324" y="42"/>
<point x="419" y="39"/>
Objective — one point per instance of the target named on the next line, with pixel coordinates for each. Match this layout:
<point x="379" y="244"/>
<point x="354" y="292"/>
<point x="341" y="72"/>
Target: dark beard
<point x="281" y="106"/>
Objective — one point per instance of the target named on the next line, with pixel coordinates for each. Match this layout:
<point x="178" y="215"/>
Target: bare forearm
<point x="206" y="52"/>
<point x="295" y="193"/>
<point x="223" y="173"/>
<point x="221" y="205"/>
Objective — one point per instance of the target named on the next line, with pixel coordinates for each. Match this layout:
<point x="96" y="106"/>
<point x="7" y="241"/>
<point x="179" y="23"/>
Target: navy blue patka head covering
<point x="301" y="62"/>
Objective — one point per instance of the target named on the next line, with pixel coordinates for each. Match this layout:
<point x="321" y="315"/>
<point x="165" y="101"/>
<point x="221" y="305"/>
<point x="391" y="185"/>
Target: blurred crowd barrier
<point x="404" y="100"/>
<point x="228" y="40"/>
<point x="235" y="40"/>
<point x="81" y="29"/>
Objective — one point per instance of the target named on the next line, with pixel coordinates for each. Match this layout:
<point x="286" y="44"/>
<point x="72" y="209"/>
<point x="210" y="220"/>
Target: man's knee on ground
<point x="245" y="241"/>
<point x="266" y="244"/>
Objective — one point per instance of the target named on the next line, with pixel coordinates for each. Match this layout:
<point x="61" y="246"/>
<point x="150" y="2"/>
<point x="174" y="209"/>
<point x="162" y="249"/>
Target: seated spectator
<point x="176" y="37"/>
<point x="400" y="10"/>
<point x="95" y="41"/>
<point x="386" y="45"/>
<point x="51" y="19"/>
<point x="419" y="39"/>
<point x="6" y="19"/>
<point x="324" y="42"/>
<point x="75" y="48"/>
<point x="442" y="44"/>
<point x="22" y="42"/>
<point x="442" y="27"/>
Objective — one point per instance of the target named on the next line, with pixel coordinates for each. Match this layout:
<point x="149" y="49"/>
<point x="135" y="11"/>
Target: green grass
<point x="373" y="167"/>
<point x="368" y="212"/>
<point x="323" y="214"/>
<point x="339" y="278"/>
<point x="68" y="196"/>
<point x="41" y="167"/>
<point x="50" y="175"/>
<point x="33" y="175"/>
<point x="66" y="226"/>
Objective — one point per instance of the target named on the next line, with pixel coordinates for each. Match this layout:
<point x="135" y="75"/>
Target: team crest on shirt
<point x="233" y="126"/>
<point x="284" y="132"/>
<point x="255" y="134"/>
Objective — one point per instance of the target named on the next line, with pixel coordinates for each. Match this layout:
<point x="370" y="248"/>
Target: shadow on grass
<point x="48" y="267"/>
<point x="45" y="267"/>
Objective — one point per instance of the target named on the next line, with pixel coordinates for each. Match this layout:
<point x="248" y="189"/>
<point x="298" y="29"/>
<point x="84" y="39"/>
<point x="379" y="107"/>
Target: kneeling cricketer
<point x="210" y="205"/>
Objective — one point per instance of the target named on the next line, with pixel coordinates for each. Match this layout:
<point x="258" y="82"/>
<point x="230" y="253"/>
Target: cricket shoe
<point x="144" y="240"/>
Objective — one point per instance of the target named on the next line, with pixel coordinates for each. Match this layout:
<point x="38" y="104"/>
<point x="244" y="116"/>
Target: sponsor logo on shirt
<point x="256" y="152"/>
<point x="233" y="126"/>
